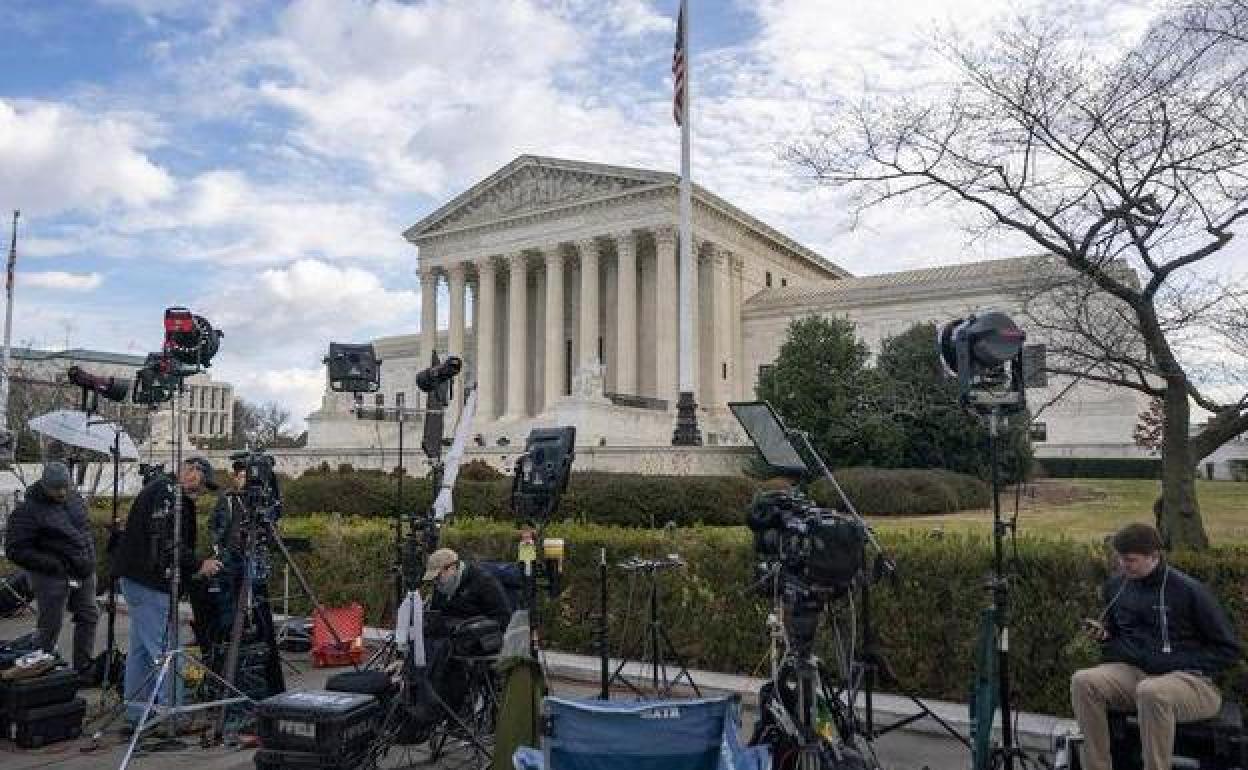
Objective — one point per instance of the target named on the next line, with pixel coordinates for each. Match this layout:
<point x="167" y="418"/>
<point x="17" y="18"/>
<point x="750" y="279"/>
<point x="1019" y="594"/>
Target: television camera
<point x="806" y="554"/>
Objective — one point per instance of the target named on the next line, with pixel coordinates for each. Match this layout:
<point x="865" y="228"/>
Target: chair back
<point x="675" y="734"/>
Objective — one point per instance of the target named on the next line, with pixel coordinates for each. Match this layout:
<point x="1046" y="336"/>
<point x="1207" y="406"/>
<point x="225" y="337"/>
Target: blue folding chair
<point x="696" y="734"/>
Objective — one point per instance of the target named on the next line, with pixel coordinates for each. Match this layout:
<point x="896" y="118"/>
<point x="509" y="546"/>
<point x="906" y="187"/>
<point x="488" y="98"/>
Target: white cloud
<point x="288" y="315"/>
<point x="224" y="217"/>
<point x="62" y="281"/>
<point x="297" y="389"/>
<point x="58" y="158"/>
<point x="278" y="325"/>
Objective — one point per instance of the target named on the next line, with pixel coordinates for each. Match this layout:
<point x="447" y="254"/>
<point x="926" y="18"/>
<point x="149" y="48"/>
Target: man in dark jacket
<point x="49" y="536"/>
<point x="463" y="591"/>
<point x="1163" y="636"/>
<point x="143" y="560"/>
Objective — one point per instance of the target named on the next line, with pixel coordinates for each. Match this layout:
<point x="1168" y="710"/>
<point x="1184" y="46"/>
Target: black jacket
<point x="143" y="552"/>
<point x="478" y="594"/>
<point x="1200" y="637"/>
<point x="51" y="538"/>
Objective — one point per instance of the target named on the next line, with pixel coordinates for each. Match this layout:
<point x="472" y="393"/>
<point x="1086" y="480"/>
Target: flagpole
<point x="686" y="433"/>
<point x="8" y="328"/>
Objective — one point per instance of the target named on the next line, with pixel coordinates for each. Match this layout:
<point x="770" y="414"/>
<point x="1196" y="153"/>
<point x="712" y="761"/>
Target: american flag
<point x="678" y="69"/>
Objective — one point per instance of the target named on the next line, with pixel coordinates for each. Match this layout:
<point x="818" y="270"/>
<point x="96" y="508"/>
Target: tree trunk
<point x="1178" y="516"/>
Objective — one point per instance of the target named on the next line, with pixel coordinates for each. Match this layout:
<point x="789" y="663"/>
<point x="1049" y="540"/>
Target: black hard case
<point x="328" y="724"/>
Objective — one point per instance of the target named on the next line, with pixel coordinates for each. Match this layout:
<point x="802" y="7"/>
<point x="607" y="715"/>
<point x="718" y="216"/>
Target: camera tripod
<point x="655" y="641"/>
<point x="802" y="716"/>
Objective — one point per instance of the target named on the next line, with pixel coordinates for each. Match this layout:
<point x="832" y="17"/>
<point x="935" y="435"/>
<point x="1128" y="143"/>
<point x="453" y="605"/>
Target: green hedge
<point x="876" y="491"/>
<point x="1100" y="467"/>
<point x="927" y="620"/>
<point x="636" y="500"/>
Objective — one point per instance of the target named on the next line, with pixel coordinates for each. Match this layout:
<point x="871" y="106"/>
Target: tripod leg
<point x="303" y="583"/>
<point x="684" y="670"/>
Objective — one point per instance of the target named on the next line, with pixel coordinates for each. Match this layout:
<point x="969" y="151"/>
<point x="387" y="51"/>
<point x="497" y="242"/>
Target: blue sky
<point x="258" y="160"/>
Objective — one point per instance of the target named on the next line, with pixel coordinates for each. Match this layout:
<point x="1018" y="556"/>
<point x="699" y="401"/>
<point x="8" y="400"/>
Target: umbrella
<point x="77" y="429"/>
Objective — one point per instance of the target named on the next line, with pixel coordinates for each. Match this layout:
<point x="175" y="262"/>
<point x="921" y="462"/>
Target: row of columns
<point x="723" y="337"/>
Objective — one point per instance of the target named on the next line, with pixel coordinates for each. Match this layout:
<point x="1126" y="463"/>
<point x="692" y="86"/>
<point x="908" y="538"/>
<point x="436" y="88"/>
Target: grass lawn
<point x="1106" y="505"/>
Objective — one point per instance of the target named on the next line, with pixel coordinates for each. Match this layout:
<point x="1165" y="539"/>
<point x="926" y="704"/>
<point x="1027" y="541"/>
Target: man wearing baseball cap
<point x="49" y="536"/>
<point x="143" y="561"/>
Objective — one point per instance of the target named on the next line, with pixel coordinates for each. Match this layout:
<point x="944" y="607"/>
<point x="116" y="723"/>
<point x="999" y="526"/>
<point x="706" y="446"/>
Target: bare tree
<point x="1128" y="169"/>
<point x="264" y="425"/>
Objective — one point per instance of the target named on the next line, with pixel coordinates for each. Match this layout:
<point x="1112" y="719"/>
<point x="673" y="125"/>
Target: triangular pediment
<point x="531" y="184"/>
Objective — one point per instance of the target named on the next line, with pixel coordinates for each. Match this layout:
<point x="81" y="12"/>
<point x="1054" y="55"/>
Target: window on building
<point x="723" y="366"/>
<point x="601" y="357"/>
<point x="769" y="279"/>
<point x="201" y="422"/>
<point x="784" y="282"/>
<point x="1039" y="431"/>
<point x="190" y="423"/>
<point x="567" y="368"/>
<point x="763" y="371"/>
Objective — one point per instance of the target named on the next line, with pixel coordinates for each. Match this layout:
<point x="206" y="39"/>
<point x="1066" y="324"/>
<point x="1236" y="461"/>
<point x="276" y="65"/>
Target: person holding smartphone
<point x="1163" y="636"/>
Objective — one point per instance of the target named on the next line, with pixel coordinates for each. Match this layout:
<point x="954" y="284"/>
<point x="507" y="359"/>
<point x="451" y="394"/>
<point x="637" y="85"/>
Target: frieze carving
<point x="534" y="188"/>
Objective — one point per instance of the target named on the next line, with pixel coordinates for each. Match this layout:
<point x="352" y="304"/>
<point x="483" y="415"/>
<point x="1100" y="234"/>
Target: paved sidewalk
<point x="920" y="745"/>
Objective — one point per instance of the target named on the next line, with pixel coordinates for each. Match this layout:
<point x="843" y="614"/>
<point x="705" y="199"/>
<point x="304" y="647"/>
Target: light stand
<point x="985" y="352"/>
<point x="656" y="641"/>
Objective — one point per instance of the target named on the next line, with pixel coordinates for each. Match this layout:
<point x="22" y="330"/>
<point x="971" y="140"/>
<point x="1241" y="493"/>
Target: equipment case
<point x="37" y="727"/>
<point x="56" y="686"/>
<point x="328" y="724"/>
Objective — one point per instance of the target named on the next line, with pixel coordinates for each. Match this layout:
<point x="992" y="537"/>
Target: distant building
<point x="206" y="406"/>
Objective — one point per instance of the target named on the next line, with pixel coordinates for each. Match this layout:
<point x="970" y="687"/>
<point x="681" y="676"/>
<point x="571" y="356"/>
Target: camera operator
<point x="142" y="562"/>
<point x="1163" y="636"/>
<point x="49" y="535"/>
<point x="226" y="523"/>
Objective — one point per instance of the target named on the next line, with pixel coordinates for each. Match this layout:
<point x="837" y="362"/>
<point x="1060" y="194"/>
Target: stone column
<point x="667" y="370"/>
<point x="736" y="371"/>
<point x="723" y="327"/>
<point x="626" y="314"/>
<point x="517" y="323"/>
<point x="428" y="314"/>
<point x="456" y="275"/>
<point x="588" y="249"/>
<point x="554" y="326"/>
<point x="484" y="300"/>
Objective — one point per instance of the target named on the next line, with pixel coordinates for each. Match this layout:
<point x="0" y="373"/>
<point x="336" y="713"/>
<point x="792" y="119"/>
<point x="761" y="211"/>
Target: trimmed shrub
<point x="927" y="618"/>
<point x="875" y="491"/>
<point x="639" y="501"/>
<point x="1100" y="467"/>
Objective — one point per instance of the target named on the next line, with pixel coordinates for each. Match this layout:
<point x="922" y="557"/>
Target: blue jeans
<point x="149" y="619"/>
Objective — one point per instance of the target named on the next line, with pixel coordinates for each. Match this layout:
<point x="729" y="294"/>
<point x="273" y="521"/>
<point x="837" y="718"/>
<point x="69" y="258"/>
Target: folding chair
<point x="673" y="734"/>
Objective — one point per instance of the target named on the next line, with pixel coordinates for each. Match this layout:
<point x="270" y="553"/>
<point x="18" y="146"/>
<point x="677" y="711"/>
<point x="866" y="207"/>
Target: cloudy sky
<point x="258" y="161"/>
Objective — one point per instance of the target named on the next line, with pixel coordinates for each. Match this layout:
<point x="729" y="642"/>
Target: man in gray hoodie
<point x="49" y="535"/>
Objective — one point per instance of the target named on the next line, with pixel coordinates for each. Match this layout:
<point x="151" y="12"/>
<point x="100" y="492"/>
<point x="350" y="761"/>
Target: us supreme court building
<point x="563" y="287"/>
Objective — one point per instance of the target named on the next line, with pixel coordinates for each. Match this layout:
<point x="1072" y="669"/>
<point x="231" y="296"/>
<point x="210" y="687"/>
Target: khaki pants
<point x="1160" y="702"/>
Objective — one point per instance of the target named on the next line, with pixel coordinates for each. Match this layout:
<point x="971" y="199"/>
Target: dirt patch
<point x="1057" y="492"/>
